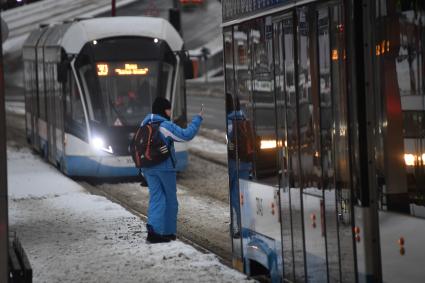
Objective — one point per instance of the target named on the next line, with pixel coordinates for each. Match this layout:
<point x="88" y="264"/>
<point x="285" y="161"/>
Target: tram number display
<point x="235" y="9"/>
<point x="127" y="69"/>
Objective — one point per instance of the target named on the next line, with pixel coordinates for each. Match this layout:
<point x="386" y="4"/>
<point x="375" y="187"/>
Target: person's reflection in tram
<point x="237" y="119"/>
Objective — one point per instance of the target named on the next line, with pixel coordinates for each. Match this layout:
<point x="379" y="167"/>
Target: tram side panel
<point x="314" y="232"/>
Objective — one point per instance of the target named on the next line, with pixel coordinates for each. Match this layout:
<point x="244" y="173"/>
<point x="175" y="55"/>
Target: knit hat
<point x="160" y="105"/>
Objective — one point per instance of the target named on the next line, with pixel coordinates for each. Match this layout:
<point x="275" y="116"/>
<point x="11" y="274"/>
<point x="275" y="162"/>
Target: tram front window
<point x="125" y="90"/>
<point x="121" y="76"/>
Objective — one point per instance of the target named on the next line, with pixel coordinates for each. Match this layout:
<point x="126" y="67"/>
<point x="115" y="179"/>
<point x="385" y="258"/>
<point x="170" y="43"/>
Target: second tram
<point x="334" y="93"/>
<point x="89" y="84"/>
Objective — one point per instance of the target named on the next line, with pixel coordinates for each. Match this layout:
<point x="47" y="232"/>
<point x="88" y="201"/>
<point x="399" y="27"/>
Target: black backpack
<point x="147" y="147"/>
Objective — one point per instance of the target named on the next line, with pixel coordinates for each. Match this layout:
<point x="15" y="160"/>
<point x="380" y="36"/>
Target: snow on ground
<point x="72" y="236"/>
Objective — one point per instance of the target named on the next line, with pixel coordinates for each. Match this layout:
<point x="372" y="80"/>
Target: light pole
<point x="174" y="17"/>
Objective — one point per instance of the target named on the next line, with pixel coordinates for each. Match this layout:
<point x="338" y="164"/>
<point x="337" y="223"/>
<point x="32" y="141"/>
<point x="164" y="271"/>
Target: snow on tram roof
<point x="81" y="32"/>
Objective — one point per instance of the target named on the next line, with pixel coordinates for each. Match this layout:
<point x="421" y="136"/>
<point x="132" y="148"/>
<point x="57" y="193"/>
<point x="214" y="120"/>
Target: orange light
<point x="388" y="46"/>
<point x="383" y="47"/>
<point x="102" y="69"/>
<point x="378" y="50"/>
<point x="357" y="230"/>
<point x="334" y="54"/>
<point x="241" y="199"/>
<point x="131" y="69"/>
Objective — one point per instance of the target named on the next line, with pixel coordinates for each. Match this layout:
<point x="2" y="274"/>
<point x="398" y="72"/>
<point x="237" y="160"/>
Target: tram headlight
<point x="267" y="144"/>
<point x="99" y="143"/>
<point x="409" y="159"/>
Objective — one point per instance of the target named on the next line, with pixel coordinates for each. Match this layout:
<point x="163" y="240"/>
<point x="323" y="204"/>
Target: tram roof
<point x="84" y="31"/>
<point x="73" y="36"/>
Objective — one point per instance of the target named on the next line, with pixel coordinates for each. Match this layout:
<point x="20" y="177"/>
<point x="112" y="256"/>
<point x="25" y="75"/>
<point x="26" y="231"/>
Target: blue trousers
<point x="244" y="170"/>
<point x="163" y="205"/>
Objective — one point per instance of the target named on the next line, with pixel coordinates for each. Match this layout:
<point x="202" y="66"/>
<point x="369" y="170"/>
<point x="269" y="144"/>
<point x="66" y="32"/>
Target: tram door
<point x="400" y="146"/>
<point x="315" y="194"/>
<point x="251" y="132"/>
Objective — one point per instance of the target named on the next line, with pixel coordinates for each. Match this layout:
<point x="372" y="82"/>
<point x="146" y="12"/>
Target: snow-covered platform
<point x="70" y="235"/>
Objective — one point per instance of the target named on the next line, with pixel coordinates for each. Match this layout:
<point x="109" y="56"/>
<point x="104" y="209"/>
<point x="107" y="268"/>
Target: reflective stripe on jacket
<point x="171" y="132"/>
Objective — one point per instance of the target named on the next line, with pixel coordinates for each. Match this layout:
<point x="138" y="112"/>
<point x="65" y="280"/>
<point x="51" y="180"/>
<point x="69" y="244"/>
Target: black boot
<point x="172" y="237"/>
<point x="155" y="238"/>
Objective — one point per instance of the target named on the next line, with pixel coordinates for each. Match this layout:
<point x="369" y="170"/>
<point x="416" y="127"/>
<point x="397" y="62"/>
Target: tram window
<point x="238" y="107"/>
<point x="77" y="105"/>
<point x="41" y="92"/>
<point x="308" y="106"/>
<point x="400" y="111"/>
<point x="255" y="127"/>
<point x="413" y="124"/>
<point x="90" y="86"/>
<point x="167" y="80"/>
<point x="127" y="90"/>
<point x="68" y="104"/>
<point x="228" y="58"/>
<point x="179" y="99"/>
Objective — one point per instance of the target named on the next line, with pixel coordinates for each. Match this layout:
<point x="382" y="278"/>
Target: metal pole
<point x="4" y="221"/>
<point x="176" y="4"/>
<point x="175" y="17"/>
<point x="113" y="8"/>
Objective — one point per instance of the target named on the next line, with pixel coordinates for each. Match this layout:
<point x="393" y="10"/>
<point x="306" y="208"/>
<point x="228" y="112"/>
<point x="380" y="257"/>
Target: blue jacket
<point x="171" y="132"/>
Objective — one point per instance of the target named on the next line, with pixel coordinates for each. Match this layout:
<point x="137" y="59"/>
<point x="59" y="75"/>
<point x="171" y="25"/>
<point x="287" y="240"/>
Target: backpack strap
<point x="171" y="155"/>
<point x="169" y="149"/>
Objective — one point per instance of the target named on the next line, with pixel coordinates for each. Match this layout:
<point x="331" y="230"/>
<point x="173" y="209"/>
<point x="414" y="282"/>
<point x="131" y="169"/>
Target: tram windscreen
<point x="127" y="89"/>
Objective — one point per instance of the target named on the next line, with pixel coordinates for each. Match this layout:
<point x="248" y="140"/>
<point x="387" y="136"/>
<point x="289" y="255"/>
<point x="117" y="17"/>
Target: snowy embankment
<point x="70" y="235"/>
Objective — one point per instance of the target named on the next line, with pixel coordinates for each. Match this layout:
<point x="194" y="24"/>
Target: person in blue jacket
<point x="161" y="178"/>
<point x="236" y="168"/>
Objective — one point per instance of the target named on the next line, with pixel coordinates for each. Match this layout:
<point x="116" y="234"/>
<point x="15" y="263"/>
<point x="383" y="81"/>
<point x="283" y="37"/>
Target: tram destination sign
<point x="235" y="9"/>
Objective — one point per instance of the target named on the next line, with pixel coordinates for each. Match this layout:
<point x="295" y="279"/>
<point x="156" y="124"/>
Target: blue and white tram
<point x="89" y="83"/>
<point x="334" y="92"/>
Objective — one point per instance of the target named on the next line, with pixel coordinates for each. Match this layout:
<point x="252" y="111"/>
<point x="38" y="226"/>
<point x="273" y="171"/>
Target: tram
<point x="88" y="85"/>
<point x="334" y="94"/>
